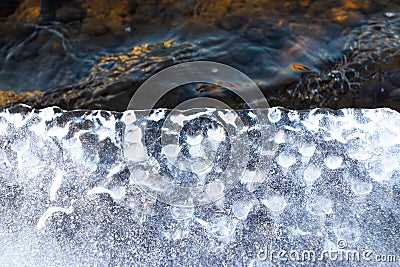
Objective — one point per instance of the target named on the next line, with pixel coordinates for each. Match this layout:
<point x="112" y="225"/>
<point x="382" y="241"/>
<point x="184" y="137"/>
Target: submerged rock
<point x="353" y="80"/>
<point x="100" y="56"/>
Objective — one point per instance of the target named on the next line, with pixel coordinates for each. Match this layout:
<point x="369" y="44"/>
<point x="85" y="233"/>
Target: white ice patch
<point x="222" y="227"/>
<point x="280" y="137"/>
<point x="135" y="152"/>
<point x="129" y="117"/>
<point x="115" y="170"/>
<point x="274" y="115"/>
<point x="56" y="184"/>
<point x="228" y="116"/>
<point x="74" y="147"/>
<point x="216" y="134"/>
<point x="312" y="121"/>
<point x="157" y="115"/>
<point x="197" y="151"/>
<point x="194" y="140"/>
<point x="117" y="193"/>
<point x="180" y="119"/>
<point x="171" y="150"/>
<point x="58" y="132"/>
<point x="49" y="212"/>
<point x="133" y="134"/>
<point x="215" y="189"/>
<point x="18" y="120"/>
<point x="138" y="176"/>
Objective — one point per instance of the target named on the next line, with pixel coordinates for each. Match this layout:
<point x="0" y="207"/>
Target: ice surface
<point x="86" y="188"/>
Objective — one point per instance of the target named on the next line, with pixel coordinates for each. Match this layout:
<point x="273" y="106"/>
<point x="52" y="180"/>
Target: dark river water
<point x="302" y="54"/>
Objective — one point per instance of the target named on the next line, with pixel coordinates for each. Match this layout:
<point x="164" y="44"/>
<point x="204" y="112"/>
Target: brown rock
<point x="233" y="22"/>
<point x="345" y="16"/>
<point x="211" y="11"/>
<point x="8" y="7"/>
<point x="363" y="5"/>
<point x="305" y="3"/>
<point x="9" y="98"/>
<point x="145" y="12"/>
<point x="69" y="13"/>
<point x="93" y="26"/>
<point x="319" y="7"/>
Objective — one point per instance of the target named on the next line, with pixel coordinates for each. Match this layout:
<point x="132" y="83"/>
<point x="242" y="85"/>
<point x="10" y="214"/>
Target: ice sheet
<point x="89" y="187"/>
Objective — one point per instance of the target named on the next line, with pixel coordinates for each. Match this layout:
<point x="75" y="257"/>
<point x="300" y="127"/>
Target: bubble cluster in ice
<point x="71" y="185"/>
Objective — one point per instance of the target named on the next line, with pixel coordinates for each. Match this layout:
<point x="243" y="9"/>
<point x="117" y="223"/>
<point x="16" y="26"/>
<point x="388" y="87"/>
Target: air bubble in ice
<point x="390" y="162"/>
<point x="320" y="205"/>
<point x="241" y="208"/>
<point x="275" y="203"/>
<point x="201" y="166"/>
<point x="286" y="159"/>
<point x="171" y="151"/>
<point x="222" y="227"/>
<point x="248" y="176"/>
<point x="129" y="117"/>
<point x="377" y="172"/>
<point x="20" y="145"/>
<point x="181" y="213"/>
<point x="157" y="115"/>
<point x="196" y="150"/>
<point x="311" y="173"/>
<point x="307" y="149"/>
<point x="215" y="189"/>
<point x="228" y="116"/>
<point x="387" y="139"/>
<point x="138" y="176"/>
<point x="359" y="153"/>
<point x="312" y="121"/>
<point x="294" y="115"/>
<point x="333" y="162"/>
<point x="361" y="188"/>
<point x="347" y="232"/>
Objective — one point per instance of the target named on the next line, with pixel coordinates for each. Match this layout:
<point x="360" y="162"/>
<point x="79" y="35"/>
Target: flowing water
<point x="302" y="54"/>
